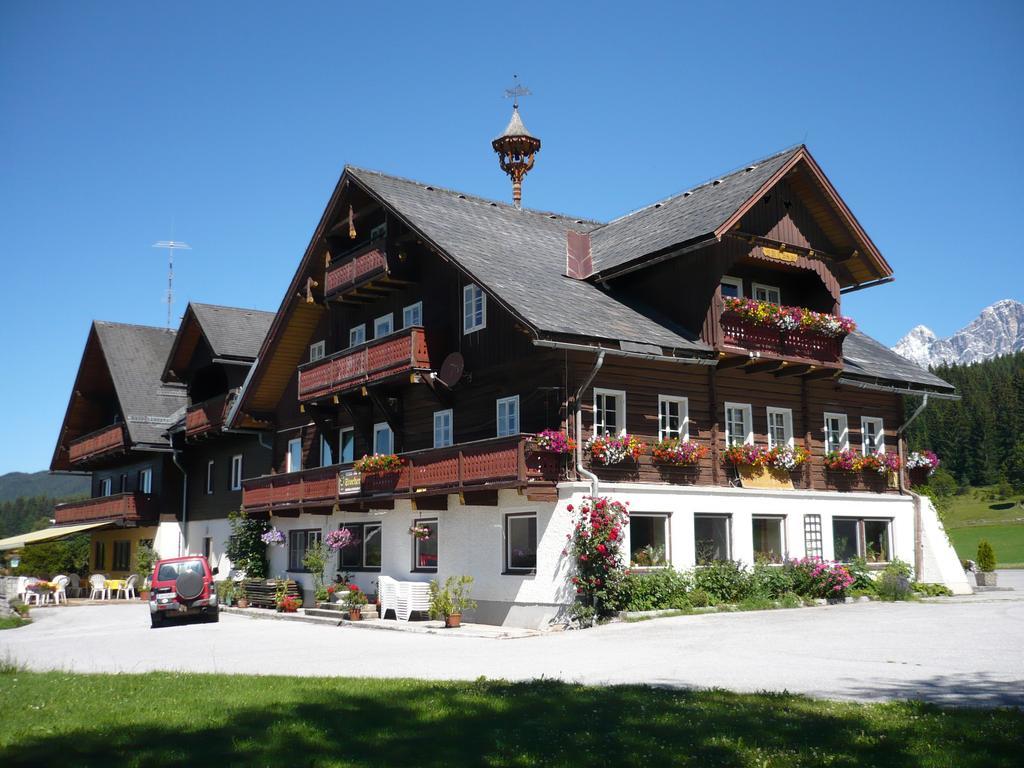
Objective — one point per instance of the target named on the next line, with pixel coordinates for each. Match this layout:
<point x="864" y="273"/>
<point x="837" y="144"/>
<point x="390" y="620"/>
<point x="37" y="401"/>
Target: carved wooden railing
<point x="358" y="267"/>
<point x="132" y="507"/>
<point x="208" y="415"/>
<point x="729" y="330"/>
<point x="402" y="352"/>
<point x="97" y="443"/>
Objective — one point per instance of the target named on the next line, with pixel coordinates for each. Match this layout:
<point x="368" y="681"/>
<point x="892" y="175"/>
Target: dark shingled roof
<point x="519" y="256"/>
<point x="232" y="331"/>
<point x="866" y="358"/>
<point x="689" y="216"/>
<point x="135" y="356"/>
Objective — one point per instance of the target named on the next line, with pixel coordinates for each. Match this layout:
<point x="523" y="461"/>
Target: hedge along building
<point x="450" y="329"/>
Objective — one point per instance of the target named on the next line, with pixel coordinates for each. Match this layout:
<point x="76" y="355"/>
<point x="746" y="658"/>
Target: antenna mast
<point x="171" y="246"/>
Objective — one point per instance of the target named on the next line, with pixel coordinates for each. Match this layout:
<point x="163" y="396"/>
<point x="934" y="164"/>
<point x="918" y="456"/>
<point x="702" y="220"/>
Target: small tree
<point x="595" y="546"/>
<point x="315" y="560"/>
<point x="245" y="548"/>
<point x="986" y="557"/>
<point x="145" y="559"/>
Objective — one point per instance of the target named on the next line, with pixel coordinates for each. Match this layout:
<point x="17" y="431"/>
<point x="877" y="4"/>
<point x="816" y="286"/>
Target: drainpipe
<point x="578" y="409"/>
<point x="183" y="546"/>
<point x="918" y="540"/>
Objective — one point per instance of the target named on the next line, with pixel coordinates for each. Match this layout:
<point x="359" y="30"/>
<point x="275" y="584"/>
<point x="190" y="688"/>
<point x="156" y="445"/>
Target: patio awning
<point x="51" y="534"/>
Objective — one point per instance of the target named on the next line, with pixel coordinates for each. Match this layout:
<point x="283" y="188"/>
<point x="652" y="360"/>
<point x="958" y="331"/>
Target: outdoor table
<point x="113" y="585"/>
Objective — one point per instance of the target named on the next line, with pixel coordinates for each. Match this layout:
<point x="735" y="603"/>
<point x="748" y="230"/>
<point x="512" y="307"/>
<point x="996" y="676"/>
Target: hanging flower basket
<point x="552" y="441"/>
<point x="419" y="532"/>
<point x="675" y="453"/>
<point x="340" y="539"/>
<point x="789" y="319"/>
<point x="608" y="450"/>
<point x="922" y="465"/>
<point x="378" y="462"/>
<point x="274" y="537"/>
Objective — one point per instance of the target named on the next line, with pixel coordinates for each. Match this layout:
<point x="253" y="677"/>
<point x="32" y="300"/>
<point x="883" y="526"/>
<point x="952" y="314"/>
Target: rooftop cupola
<point x="516" y="147"/>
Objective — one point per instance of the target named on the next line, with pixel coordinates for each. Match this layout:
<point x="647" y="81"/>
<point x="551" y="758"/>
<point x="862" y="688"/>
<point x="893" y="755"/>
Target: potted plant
<point x="289" y="604"/>
<point x="922" y="465"/>
<point x="606" y="450"/>
<point x="450" y="601"/>
<point x="145" y="559"/>
<point x="243" y="600"/>
<point x="985" y="575"/>
<point x="553" y="441"/>
<point x="675" y="453"/>
<point x="354" y="601"/>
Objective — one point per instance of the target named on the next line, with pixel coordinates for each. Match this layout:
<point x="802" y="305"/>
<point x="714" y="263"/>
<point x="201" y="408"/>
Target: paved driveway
<point x="968" y="651"/>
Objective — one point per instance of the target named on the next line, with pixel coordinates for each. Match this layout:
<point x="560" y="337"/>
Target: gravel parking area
<point x="965" y="651"/>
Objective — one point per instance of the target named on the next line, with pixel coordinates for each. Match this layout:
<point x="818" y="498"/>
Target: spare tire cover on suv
<point x="189" y="585"/>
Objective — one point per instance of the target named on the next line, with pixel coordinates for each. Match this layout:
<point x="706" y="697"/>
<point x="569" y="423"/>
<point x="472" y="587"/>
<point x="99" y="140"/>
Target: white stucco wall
<point x="941" y="564"/>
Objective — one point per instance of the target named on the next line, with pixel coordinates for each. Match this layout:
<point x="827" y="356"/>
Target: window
<point x="412" y="315"/>
<point x="520" y="543"/>
<point x="209" y="477"/>
<point x="122" y="556"/>
<point x="442" y="428"/>
<point x="105" y="486"/>
<point x="769" y="535"/>
<point x="207" y="548"/>
<point x="123" y="486"/>
<point x="317" y="350"/>
<point x="383" y="439"/>
<point x="508" y="416"/>
<point x="99" y="555"/>
<point x="347" y="441"/>
<point x="870" y="539"/>
<point x="872" y="436"/>
<point x="383" y="325"/>
<point x="732" y="287"/>
<point x="780" y="427"/>
<point x="648" y="540"/>
<point x="326" y="451"/>
<point x="425" y="550"/>
<point x="357" y="335"/>
<point x="767" y="293"/>
<point x="711" y="538"/>
<point x="739" y="428"/>
<point x="837" y="436"/>
<point x="236" y="472"/>
<point x="609" y="412"/>
<point x="474" y="308"/>
<point x="812" y="536"/>
<point x="298" y="543"/>
<point x="363" y="552"/>
<point x="146" y="480"/>
<point x="673" y="418"/>
<point x="293" y="459"/>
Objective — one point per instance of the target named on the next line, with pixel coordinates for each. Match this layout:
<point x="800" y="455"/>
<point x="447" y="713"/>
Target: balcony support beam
<point x="768" y="366"/>
<point x="794" y="370"/>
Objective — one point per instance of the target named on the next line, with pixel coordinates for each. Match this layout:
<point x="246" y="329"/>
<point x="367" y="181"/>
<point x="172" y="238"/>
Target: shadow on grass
<point x="199" y="720"/>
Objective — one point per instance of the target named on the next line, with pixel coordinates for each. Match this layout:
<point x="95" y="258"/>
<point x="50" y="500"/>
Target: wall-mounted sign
<point x="349" y="482"/>
<point x="778" y="254"/>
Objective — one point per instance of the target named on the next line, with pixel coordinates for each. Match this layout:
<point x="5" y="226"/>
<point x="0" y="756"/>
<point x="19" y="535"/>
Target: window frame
<point x="766" y="288"/>
<point x="471" y="293"/>
<point x="298" y="567"/>
<point x="780" y="520"/>
<point x="360" y="529"/>
<point x="665" y="518"/>
<point x="125" y="563"/>
<point x="99" y="555"/>
<point x="736" y="282"/>
<point x="289" y="453"/>
<point x="416" y="568"/>
<point x="844" y="435"/>
<point x="879" y="423"/>
<point x="418" y="307"/>
<point x="448" y="414"/>
<point x="383" y="426"/>
<point x="378" y="321"/>
<point x="106" y="486"/>
<point x="787" y="425"/>
<point x="236" y="472"/>
<point x="325" y="440"/>
<point x="684" y="417"/>
<point x="861" y="543"/>
<point x="620" y="411"/>
<point x="317" y="350"/>
<point x="210" y="469"/>
<point x="145" y="480"/>
<point x="357" y="330"/>
<point x="123" y="484"/>
<point x="509" y="569"/>
<point x="341" y="444"/>
<point x="728" y="536"/>
<point x="514" y="399"/>
<point x="748" y="411"/>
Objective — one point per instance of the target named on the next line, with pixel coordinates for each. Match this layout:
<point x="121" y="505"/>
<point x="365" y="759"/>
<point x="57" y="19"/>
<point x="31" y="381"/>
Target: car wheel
<point x="214" y="617"/>
<point x="156" y="620"/>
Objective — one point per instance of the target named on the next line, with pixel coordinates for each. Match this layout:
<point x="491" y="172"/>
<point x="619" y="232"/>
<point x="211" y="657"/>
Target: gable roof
<point x="231" y="332"/>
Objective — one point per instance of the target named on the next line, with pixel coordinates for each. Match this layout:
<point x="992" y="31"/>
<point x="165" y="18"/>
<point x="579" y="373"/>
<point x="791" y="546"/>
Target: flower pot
<point x="144" y="595"/>
<point x="355" y="614"/>
<point x="985" y="578"/>
<point x="918" y="476"/>
<point x="454" y="621"/>
<point x="243" y="602"/>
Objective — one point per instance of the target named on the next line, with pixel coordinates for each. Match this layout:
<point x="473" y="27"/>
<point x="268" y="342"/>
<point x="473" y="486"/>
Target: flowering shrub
<point x="339" y="539"/>
<point x="289" y="604"/>
<point x="555" y="442"/>
<point x="765" y="313"/>
<point x="595" y="546"/>
<point x="923" y="460"/>
<point x="378" y="462"/>
<point x="842" y="461"/>
<point x="832" y="579"/>
<point x="274" y="537"/>
<point x="420" y="532"/>
<point x="355" y="598"/>
<point x="745" y="455"/>
<point x="613" y="450"/>
<point x="678" y="454"/>
<point x="785" y="458"/>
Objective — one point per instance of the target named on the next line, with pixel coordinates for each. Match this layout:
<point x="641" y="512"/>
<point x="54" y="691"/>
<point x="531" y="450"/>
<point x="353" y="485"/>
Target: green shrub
<point x="790" y="600"/>
<point x="863" y="581"/>
<point x="699" y="598"/>
<point x="894" y="583"/>
<point x="986" y="556"/>
<point x="725" y="581"/>
<point x="932" y="590"/>
<point x="755" y="603"/>
<point x="770" y="581"/>
<point x="650" y="590"/>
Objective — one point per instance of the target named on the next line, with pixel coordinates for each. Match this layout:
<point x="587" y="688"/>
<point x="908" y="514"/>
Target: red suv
<point x="182" y="586"/>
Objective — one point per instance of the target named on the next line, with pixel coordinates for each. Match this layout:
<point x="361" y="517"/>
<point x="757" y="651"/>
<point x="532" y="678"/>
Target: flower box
<point x="552" y="441"/>
<point x="380" y="482"/>
<point x="677" y="453"/>
<point x="608" y="451"/>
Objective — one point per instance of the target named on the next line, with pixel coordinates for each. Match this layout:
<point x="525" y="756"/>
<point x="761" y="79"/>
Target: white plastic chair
<point x="98" y="583"/>
<point x="31" y="595"/>
<point x="61" y="592"/>
<point x="74" y="585"/>
<point x="22" y="586"/>
<point x="127" y="588"/>
<point x="412" y="596"/>
<point x="387" y="590"/>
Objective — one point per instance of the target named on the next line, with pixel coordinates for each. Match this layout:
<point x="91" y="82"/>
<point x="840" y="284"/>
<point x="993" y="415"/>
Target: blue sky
<point x="227" y="124"/>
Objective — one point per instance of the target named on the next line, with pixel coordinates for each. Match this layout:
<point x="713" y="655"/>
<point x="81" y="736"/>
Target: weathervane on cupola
<point x="516" y="147"/>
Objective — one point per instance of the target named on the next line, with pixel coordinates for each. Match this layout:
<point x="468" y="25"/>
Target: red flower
<point x="602" y="548"/>
<point x="353" y="588"/>
<point x="570" y="507"/>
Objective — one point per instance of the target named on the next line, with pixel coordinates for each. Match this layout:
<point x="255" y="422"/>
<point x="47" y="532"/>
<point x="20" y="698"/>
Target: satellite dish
<point x="451" y="370"/>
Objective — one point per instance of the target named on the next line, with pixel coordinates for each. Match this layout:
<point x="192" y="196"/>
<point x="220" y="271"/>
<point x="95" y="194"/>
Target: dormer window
<point x="412" y="315"/>
<point x="769" y="293"/>
<point x="317" y="350"/>
<point x="474" y="308"/>
<point x="732" y="287"/>
<point x="383" y="326"/>
<point x="357" y="335"/>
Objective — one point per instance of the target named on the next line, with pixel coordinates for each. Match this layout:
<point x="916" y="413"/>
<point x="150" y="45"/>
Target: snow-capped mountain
<point x="998" y="330"/>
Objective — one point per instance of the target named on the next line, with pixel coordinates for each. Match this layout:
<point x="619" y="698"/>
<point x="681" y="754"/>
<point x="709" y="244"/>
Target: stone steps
<point x="336" y="611"/>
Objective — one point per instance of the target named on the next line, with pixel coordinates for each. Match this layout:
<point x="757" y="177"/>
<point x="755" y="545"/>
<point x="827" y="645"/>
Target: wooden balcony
<point x="126" y="507"/>
<point x="356" y="268"/>
<point x="208" y="416"/>
<point x="398" y="354"/>
<point x="96" y="444"/>
<point x="728" y="332"/>
<point x="485" y="465"/>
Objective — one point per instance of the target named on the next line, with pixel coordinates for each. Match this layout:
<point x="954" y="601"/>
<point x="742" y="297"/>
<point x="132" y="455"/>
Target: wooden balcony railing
<point x="498" y="462"/>
<point x="726" y="330"/>
<point x="354" y="269"/>
<point x="402" y="352"/>
<point x="97" y="443"/>
<point x="128" y="507"/>
<point x="207" y="416"/>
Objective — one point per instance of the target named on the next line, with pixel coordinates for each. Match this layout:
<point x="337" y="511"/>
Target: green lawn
<point x="1007" y="540"/>
<point x="164" y="719"/>
<point x="13" y="622"/>
<point x="967" y="508"/>
<point x="970" y="518"/>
